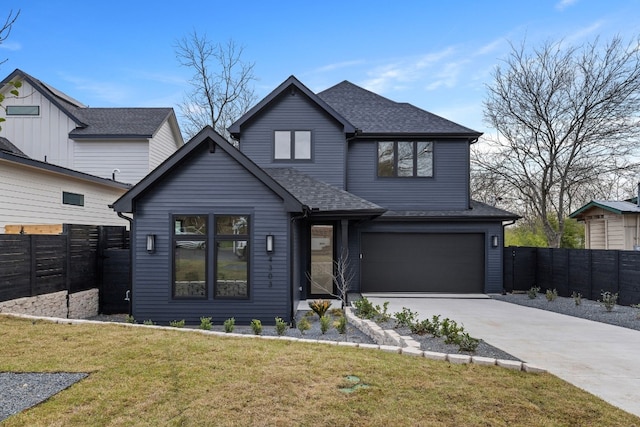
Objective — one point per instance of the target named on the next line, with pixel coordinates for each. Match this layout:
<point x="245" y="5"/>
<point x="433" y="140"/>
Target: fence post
<point x="33" y="264"/>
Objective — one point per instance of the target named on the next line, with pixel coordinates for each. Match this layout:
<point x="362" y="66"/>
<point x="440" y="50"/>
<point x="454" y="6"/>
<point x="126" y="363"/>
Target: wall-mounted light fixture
<point x="269" y="243"/>
<point x="494" y="241"/>
<point x="151" y="243"/>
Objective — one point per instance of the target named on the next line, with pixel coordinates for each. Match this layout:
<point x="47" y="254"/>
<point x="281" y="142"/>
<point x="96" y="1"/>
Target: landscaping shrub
<point x="405" y="318"/>
<point x="256" y="326"/>
<point x="229" y="325"/>
<point x="551" y="295"/>
<point x="532" y="293"/>
<point x="341" y="325"/>
<point x="609" y="300"/>
<point x="320" y="306"/>
<point x="325" y="324"/>
<point x="177" y="323"/>
<point x="365" y="309"/>
<point x="205" y="323"/>
<point x="281" y="326"/>
<point x="577" y="297"/>
<point x="304" y="325"/>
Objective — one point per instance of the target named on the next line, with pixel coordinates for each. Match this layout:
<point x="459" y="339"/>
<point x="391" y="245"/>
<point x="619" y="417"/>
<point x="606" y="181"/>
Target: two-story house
<point x="249" y="232"/>
<point x="63" y="161"/>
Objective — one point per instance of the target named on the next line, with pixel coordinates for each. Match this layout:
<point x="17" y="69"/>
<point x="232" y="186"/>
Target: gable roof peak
<point x="236" y="128"/>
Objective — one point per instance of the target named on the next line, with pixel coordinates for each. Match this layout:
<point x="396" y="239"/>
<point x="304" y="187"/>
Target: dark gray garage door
<point x="402" y="262"/>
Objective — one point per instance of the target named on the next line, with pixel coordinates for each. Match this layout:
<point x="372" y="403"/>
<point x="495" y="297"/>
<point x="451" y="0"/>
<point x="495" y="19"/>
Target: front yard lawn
<point x="143" y="376"/>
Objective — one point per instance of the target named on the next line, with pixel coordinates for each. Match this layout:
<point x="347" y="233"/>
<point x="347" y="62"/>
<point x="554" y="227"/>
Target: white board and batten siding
<point x="41" y="137"/>
<point x="162" y="145"/>
<point x="33" y="196"/>
<point x="101" y="157"/>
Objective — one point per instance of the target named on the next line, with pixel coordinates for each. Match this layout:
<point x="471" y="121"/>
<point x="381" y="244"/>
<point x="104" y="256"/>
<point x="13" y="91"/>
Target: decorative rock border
<point x="406" y="345"/>
<point x="385" y="340"/>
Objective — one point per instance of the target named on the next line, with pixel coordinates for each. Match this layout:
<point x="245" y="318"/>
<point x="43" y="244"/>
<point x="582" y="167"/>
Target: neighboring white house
<point x="52" y="127"/>
<point x="63" y="162"/>
<point x="38" y="197"/>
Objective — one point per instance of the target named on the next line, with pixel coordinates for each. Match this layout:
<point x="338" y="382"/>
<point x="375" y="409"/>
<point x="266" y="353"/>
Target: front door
<point x="321" y="266"/>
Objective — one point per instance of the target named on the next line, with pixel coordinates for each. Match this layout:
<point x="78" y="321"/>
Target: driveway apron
<point x="599" y="358"/>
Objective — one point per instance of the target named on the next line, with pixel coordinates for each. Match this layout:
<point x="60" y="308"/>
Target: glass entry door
<point x="321" y="260"/>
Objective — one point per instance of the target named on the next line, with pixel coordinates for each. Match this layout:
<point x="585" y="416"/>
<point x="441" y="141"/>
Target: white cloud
<point x="404" y="70"/>
<point x="490" y="47"/>
<point x="110" y="92"/>
<point x="584" y="32"/>
<point x="337" y="66"/>
<point x="563" y="4"/>
<point x="10" y="46"/>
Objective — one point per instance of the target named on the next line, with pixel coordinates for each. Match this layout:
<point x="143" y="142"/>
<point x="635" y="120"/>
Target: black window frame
<point x="396" y="158"/>
<point x="72" y="199"/>
<point x="217" y="238"/>
<point x="292" y="144"/>
<point x="8" y="109"/>
<point x="175" y="238"/>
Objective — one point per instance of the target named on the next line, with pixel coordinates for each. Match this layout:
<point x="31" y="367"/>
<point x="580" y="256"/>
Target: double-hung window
<point x="405" y="158"/>
<point x="190" y="256"/>
<point x="292" y="145"/>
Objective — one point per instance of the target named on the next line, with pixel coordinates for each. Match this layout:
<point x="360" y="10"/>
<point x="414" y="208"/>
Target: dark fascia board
<point x="235" y="128"/>
<point x="62" y="170"/>
<point x="442" y="218"/>
<point x="109" y="136"/>
<point x="353" y="214"/>
<point x="126" y="203"/>
<point x="46" y="93"/>
<point x="594" y="204"/>
<point x="472" y="137"/>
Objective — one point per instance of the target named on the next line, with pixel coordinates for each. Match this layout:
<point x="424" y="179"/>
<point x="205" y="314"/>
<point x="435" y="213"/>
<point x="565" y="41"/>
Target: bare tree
<point x="567" y="117"/>
<point x="5" y="30"/>
<point x="221" y="86"/>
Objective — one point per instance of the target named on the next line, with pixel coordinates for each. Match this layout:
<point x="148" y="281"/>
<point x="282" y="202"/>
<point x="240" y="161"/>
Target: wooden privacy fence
<point x="586" y="271"/>
<point x="34" y="264"/>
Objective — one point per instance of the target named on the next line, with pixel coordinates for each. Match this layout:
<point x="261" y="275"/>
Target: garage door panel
<point x="401" y="262"/>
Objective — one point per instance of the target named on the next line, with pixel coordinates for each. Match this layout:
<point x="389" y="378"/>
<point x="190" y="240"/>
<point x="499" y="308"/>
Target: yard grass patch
<point x="140" y="376"/>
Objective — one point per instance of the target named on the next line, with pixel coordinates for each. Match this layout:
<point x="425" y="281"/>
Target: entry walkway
<point x="599" y="358"/>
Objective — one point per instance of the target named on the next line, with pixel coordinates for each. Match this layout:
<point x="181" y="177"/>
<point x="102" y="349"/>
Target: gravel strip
<point x="621" y="315"/>
<point x="19" y="391"/>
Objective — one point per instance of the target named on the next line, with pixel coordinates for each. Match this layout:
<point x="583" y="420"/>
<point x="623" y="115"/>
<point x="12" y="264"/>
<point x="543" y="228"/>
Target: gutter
<point x="131" y="246"/>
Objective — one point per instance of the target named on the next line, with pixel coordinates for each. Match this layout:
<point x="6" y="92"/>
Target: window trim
<point x="67" y="202"/>
<point x="292" y="146"/>
<point x="8" y="109"/>
<point x="395" y="143"/>
<point x="230" y="238"/>
<point x="189" y="237"/>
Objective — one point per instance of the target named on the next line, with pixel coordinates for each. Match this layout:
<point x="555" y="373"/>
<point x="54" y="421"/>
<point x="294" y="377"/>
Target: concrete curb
<point x="387" y="342"/>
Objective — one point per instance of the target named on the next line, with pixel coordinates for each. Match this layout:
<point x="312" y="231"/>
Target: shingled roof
<point x="374" y="114"/>
<point x="120" y="122"/>
<point x="478" y="211"/>
<point x="322" y="198"/>
<point x="98" y="122"/>
<point x="7" y="146"/>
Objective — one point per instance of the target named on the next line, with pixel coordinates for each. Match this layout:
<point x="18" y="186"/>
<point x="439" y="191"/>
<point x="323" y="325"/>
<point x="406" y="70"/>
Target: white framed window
<point x="23" y="110"/>
<point x="292" y="145"/>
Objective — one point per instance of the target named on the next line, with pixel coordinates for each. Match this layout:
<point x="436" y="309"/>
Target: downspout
<point x="129" y="294"/>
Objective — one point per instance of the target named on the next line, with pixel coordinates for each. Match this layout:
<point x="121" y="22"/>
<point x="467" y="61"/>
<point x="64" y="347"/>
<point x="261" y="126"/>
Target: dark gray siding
<point x="493" y="256"/>
<point x="297" y="113"/>
<point x="211" y="183"/>
<point x="448" y="189"/>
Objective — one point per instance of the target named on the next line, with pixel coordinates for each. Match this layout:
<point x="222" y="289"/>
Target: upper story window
<point x="405" y="158"/>
<point x="23" y="110"/>
<point x="74" y="199"/>
<point x="292" y="145"/>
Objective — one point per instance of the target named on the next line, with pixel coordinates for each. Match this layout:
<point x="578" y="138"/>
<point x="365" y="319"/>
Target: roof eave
<point x="77" y="137"/>
<point x="472" y="137"/>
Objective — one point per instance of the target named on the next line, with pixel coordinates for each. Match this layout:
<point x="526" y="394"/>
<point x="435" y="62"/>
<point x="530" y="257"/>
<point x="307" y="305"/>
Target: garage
<point x="423" y="262"/>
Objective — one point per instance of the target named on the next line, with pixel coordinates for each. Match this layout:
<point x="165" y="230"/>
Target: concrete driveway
<point x="599" y="358"/>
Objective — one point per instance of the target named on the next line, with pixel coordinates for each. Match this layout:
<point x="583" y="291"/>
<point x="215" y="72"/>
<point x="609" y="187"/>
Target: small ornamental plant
<point x="177" y="323"/>
<point x="129" y="319"/>
<point x="320" y="306"/>
<point x="532" y="293"/>
<point x="577" y="297"/>
<point x="325" y="324"/>
<point x="405" y="318"/>
<point x="608" y="300"/>
<point x="256" y="326"/>
<point x="281" y="326"/>
<point x="304" y="325"/>
<point x="205" y="323"/>
<point x="229" y="325"/>
<point x="341" y="325"/>
<point x="551" y="295"/>
<point x="148" y="322"/>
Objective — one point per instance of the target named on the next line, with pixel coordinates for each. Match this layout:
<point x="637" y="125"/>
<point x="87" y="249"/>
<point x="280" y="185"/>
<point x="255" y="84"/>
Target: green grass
<point x="145" y="376"/>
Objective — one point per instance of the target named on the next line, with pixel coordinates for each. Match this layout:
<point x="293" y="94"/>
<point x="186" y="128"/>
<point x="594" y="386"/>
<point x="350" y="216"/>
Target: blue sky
<point x="437" y="55"/>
